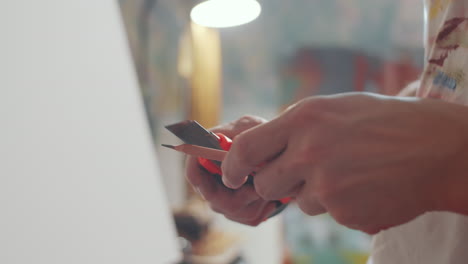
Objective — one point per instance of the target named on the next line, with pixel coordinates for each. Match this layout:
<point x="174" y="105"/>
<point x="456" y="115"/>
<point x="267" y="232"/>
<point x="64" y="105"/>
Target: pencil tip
<point x="168" y="146"/>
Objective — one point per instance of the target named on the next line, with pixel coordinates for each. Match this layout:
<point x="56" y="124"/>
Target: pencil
<point x="194" y="150"/>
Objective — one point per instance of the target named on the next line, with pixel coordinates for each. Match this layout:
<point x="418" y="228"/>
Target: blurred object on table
<point x="320" y="239"/>
<point x="208" y="244"/>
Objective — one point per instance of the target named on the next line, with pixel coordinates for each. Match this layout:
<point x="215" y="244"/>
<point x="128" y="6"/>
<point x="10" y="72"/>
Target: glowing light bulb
<point x="225" y="13"/>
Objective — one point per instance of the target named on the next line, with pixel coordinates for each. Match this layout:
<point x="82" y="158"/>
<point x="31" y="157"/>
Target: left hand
<point x="371" y="161"/>
<point x="243" y="205"/>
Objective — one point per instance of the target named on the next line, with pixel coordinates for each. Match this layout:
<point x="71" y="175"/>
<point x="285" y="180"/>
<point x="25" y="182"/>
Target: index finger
<point x="251" y="148"/>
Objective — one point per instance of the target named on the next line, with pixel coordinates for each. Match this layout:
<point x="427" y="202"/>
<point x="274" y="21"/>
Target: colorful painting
<point x="386" y="33"/>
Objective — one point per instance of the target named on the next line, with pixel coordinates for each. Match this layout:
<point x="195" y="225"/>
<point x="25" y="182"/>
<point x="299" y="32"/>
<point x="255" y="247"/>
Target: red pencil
<point x="193" y="150"/>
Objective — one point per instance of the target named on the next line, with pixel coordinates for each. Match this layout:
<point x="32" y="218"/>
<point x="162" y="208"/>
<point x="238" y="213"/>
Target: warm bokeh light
<point x="225" y="13"/>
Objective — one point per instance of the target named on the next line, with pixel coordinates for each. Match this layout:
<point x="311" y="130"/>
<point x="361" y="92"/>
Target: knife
<point x="191" y="132"/>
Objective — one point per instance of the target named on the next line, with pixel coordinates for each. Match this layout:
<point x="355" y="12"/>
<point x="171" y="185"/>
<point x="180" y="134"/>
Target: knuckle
<point x="318" y="111"/>
<point x="369" y="230"/>
<point x="309" y="206"/>
<point x="227" y="205"/>
<point x="263" y="191"/>
<point x="249" y="120"/>
<point x="302" y="205"/>
<point x="239" y="220"/>
<point x="344" y="217"/>
<point x="252" y="223"/>
<point x="247" y="215"/>
<point x="310" y="108"/>
<point x="224" y="210"/>
<point x="252" y="212"/>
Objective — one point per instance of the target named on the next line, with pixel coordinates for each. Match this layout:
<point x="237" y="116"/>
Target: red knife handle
<point x="214" y="169"/>
<point x="210" y="166"/>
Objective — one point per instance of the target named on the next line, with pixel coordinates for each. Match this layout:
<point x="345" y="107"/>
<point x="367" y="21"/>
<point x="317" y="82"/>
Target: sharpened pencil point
<point x="168" y="146"/>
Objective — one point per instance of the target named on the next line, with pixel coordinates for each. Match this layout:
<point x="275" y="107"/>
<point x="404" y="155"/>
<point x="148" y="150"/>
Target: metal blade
<point x="191" y="132"/>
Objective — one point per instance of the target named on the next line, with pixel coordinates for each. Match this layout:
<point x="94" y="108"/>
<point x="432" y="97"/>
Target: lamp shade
<point x="78" y="176"/>
<point x="225" y="13"/>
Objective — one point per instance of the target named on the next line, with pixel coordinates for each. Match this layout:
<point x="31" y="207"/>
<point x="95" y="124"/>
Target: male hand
<point x="243" y="205"/>
<point x="371" y="161"/>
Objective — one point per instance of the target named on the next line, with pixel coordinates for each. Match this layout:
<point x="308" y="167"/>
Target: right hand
<point x="372" y="162"/>
<point x="242" y="205"/>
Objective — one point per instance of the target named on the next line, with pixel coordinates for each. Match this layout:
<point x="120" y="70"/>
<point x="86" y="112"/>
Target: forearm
<point x="453" y="183"/>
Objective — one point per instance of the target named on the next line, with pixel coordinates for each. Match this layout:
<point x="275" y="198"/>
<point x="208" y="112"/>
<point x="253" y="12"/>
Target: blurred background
<point x="292" y="50"/>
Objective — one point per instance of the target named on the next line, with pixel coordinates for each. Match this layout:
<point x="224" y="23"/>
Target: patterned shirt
<point x="436" y="237"/>
<point x="446" y="39"/>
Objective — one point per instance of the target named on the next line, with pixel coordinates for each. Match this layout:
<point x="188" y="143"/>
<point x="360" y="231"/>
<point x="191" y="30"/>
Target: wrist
<point x="455" y="189"/>
<point x="452" y="189"/>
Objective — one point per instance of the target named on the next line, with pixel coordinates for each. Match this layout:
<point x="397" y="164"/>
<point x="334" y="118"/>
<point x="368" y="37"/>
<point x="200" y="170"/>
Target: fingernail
<point x="224" y="178"/>
<point x="227" y="183"/>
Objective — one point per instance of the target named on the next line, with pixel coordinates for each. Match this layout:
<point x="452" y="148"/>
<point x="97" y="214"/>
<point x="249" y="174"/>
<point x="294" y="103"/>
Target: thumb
<point x="251" y="148"/>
